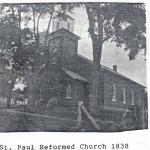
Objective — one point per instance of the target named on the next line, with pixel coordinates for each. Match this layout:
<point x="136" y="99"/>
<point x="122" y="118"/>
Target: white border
<point x="137" y="140"/>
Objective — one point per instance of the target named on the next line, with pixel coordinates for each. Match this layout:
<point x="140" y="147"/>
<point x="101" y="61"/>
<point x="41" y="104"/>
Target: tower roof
<point x="65" y="21"/>
<point x="64" y="32"/>
<point x="65" y="16"/>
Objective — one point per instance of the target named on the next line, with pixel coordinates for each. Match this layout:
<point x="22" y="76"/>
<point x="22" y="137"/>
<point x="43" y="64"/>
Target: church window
<point x="114" y="92"/>
<point x="52" y="84"/>
<point x="68" y="26"/>
<point x="54" y="59"/>
<point x="54" y="56"/>
<point x="132" y="97"/>
<point x="57" y="26"/>
<point x="69" y="91"/>
<point x="124" y="95"/>
<point x="0" y="9"/>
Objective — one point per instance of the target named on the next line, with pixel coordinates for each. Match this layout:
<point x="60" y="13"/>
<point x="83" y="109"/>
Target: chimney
<point x="115" y="68"/>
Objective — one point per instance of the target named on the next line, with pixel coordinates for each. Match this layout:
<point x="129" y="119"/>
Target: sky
<point x="111" y="55"/>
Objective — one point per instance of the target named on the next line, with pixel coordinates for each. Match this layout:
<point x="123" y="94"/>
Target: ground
<point x="14" y="120"/>
<point x="49" y="120"/>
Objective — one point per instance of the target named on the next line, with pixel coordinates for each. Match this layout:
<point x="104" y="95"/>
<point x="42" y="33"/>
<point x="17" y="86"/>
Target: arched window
<point x="124" y="95"/>
<point x="57" y="26"/>
<point x="114" y="92"/>
<point x="69" y="91"/>
<point x="68" y="26"/>
<point x="54" y="56"/>
<point x="132" y="97"/>
<point x="52" y="84"/>
<point x="1" y="10"/>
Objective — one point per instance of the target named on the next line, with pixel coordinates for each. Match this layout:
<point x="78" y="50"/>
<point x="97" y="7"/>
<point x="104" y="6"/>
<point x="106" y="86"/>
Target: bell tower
<point x="65" y="22"/>
<point x="62" y="46"/>
<point x="62" y="42"/>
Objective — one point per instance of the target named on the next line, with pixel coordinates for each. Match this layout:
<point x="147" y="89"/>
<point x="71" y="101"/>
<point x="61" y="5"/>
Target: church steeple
<point x="62" y="42"/>
<point x="65" y="22"/>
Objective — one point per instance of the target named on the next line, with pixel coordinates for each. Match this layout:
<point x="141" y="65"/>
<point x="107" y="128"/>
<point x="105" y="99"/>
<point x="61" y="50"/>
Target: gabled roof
<point x="64" y="31"/>
<point x="111" y="70"/>
<point x="74" y="75"/>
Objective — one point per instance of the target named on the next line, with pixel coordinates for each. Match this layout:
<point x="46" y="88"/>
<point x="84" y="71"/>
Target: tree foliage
<point x="20" y="40"/>
<point x="121" y="23"/>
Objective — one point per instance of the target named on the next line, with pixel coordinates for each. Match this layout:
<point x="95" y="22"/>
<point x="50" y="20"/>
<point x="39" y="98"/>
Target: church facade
<point x="68" y="76"/>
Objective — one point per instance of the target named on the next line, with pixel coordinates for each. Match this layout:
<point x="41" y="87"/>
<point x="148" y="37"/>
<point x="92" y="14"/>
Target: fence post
<point x="92" y="120"/>
<point x="79" y="119"/>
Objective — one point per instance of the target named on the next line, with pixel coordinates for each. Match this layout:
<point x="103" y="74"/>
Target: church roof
<point x="110" y="70"/>
<point x="64" y="32"/>
<point x="74" y="75"/>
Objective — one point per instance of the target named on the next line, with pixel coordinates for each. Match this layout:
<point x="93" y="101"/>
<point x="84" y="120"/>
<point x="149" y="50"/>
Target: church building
<point x="68" y="76"/>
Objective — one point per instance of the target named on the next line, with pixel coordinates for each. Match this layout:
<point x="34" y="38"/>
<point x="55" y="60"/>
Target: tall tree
<point x="123" y="24"/>
<point x="9" y="40"/>
<point x="22" y="43"/>
<point x="12" y="49"/>
<point x="38" y="11"/>
<point x="120" y="23"/>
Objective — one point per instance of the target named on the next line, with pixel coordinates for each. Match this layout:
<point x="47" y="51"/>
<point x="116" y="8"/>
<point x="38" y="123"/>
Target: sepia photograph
<point x="73" y="67"/>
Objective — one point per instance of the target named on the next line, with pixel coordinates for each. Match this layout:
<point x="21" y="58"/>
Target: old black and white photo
<point x="73" y="67"/>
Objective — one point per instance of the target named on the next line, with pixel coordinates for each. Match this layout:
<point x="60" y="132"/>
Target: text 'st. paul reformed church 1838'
<point x="68" y="76"/>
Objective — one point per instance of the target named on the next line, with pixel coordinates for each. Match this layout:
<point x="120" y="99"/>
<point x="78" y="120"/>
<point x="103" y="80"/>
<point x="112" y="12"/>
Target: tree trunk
<point x="94" y="92"/>
<point x="97" y="91"/>
<point x="31" y="101"/>
<point x="10" y="90"/>
<point x="96" y="31"/>
<point x="9" y="97"/>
